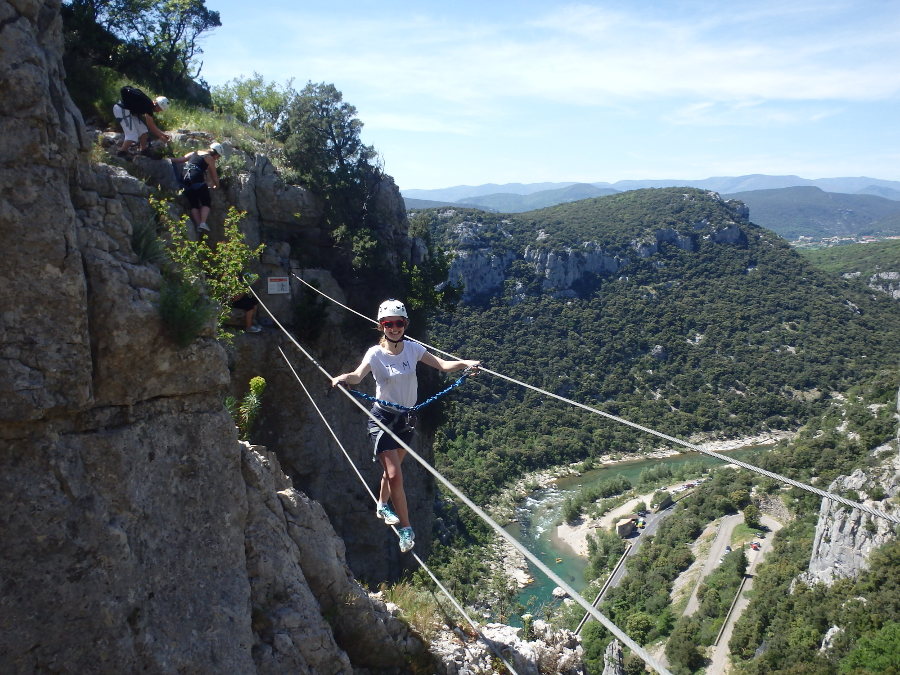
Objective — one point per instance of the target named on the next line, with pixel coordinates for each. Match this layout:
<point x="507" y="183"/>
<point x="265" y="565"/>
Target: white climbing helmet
<point x="162" y="102"/>
<point x="217" y="148"/>
<point x="392" y="308"/>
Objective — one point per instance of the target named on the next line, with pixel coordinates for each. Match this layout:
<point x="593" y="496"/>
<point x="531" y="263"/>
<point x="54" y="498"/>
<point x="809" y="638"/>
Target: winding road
<point x="720" y="662"/>
<point x="716" y="551"/>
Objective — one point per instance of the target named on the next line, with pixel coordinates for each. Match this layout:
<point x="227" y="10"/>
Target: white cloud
<point x="493" y="78"/>
<point x="757" y="113"/>
<point x="417" y="124"/>
<point x="589" y="55"/>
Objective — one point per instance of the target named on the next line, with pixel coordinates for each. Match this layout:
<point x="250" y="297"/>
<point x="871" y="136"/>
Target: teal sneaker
<point x="407" y="539"/>
<point x="387" y="515"/>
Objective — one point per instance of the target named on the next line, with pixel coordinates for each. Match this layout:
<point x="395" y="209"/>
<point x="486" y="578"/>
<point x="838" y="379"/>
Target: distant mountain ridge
<point x="506" y="202"/>
<point x="807" y="211"/>
<point x="469" y="194"/>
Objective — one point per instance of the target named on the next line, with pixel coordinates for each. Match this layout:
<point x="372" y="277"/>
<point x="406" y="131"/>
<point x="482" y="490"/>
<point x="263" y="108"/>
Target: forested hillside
<point x="810" y="212"/>
<point x="726" y="337"/>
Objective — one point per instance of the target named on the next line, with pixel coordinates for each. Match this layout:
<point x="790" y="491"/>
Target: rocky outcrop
<point x="731" y="234"/>
<point x="298" y="577"/>
<point x="886" y="282"/>
<point x="613" y="662"/>
<point x="645" y="249"/>
<point x="479" y="272"/>
<point x="550" y="651"/>
<point x="845" y="538"/>
<point x="563" y="269"/>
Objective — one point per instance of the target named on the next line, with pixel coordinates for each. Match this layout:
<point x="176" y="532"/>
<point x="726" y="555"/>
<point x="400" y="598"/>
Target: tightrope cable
<point x="607" y="623"/>
<point x="488" y="643"/>
<point x="672" y="439"/>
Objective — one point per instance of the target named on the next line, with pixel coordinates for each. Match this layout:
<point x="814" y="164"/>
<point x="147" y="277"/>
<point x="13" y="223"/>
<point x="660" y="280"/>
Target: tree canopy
<point x="321" y="135"/>
<point x="153" y="41"/>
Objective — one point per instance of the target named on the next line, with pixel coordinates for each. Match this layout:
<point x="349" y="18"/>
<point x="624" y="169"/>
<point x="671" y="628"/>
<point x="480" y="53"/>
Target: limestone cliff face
<point x="137" y="533"/>
<point x="845" y="538"/>
<point x="886" y="282"/>
<point x="560" y="270"/>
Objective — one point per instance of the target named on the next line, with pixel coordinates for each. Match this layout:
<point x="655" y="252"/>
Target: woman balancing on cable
<point x="392" y="363"/>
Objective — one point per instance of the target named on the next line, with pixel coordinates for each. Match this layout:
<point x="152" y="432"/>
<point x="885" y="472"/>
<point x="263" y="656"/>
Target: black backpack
<point x="193" y="171"/>
<point x="136" y="101"/>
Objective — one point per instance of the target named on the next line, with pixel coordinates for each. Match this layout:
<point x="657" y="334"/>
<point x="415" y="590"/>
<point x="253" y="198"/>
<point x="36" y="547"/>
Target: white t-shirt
<point x="395" y="374"/>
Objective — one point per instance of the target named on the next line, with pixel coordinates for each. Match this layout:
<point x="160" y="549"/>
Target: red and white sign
<point x="279" y="285"/>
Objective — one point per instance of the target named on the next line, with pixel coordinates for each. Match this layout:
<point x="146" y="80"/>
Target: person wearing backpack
<point x="134" y="112"/>
<point x="193" y="178"/>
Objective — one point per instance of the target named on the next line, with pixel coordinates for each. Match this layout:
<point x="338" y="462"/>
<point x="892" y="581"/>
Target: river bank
<point x="574" y="538"/>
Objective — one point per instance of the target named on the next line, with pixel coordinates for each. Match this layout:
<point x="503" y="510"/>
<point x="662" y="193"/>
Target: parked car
<point x="727" y="549"/>
<point x="755" y="545"/>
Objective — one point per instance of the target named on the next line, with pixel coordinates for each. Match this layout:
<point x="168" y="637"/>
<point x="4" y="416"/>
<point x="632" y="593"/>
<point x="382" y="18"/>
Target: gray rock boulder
<point x="550" y="651"/>
<point x="613" y="661"/>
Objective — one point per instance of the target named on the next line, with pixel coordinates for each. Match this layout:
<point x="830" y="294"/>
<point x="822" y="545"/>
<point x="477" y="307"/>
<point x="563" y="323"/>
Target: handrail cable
<point x="488" y="643"/>
<point x="725" y="458"/>
<point x="607" y="623"/>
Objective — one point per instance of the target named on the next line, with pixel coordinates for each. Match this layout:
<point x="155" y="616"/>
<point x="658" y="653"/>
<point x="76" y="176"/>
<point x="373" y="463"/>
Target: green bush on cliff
<point x="184" y="309"/>
<point x="246" y="411"/>
<point x="216" y="271"/>
<point x="146" y="243"/>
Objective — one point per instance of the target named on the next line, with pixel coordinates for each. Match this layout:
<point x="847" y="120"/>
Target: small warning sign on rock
<point x="279" y="285"/>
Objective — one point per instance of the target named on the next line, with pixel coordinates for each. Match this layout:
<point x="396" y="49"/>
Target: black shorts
<point x="198" y="196"/>
<point x="396" y="422"/>
<point x="245" y="302"/>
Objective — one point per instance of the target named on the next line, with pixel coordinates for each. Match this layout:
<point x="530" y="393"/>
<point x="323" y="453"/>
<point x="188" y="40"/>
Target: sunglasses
<point x="390" y="324"/>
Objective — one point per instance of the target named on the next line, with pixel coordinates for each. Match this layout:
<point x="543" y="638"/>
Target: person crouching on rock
<point x="193" y="178"/>
<point x="392" y="363"/>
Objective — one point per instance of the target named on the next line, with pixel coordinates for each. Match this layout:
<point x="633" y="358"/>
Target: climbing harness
<point x="410" y="418"/>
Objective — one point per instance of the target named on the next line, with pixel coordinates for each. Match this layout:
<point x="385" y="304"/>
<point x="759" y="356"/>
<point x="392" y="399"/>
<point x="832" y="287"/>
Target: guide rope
<point x="418" y="406"/>
<point x="878" y="513"/>
<point x="599" y="616"/>
<point x="488" y="643"/>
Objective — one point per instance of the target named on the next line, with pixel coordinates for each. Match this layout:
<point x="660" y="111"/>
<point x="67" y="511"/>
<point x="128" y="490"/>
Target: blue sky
<point x="460" y="92"/>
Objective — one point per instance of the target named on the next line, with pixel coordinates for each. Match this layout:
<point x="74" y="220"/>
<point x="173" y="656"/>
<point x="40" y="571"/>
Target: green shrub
<point x="147" y="245"/>
<point x="95" y="89"/>
<point x="245" y="413"/>
<point x="218" y="269"/>
<point x="184" y="309"/>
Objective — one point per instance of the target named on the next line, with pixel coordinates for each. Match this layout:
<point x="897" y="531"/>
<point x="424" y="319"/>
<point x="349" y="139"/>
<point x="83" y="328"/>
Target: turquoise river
<point x="538" y="516"/>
